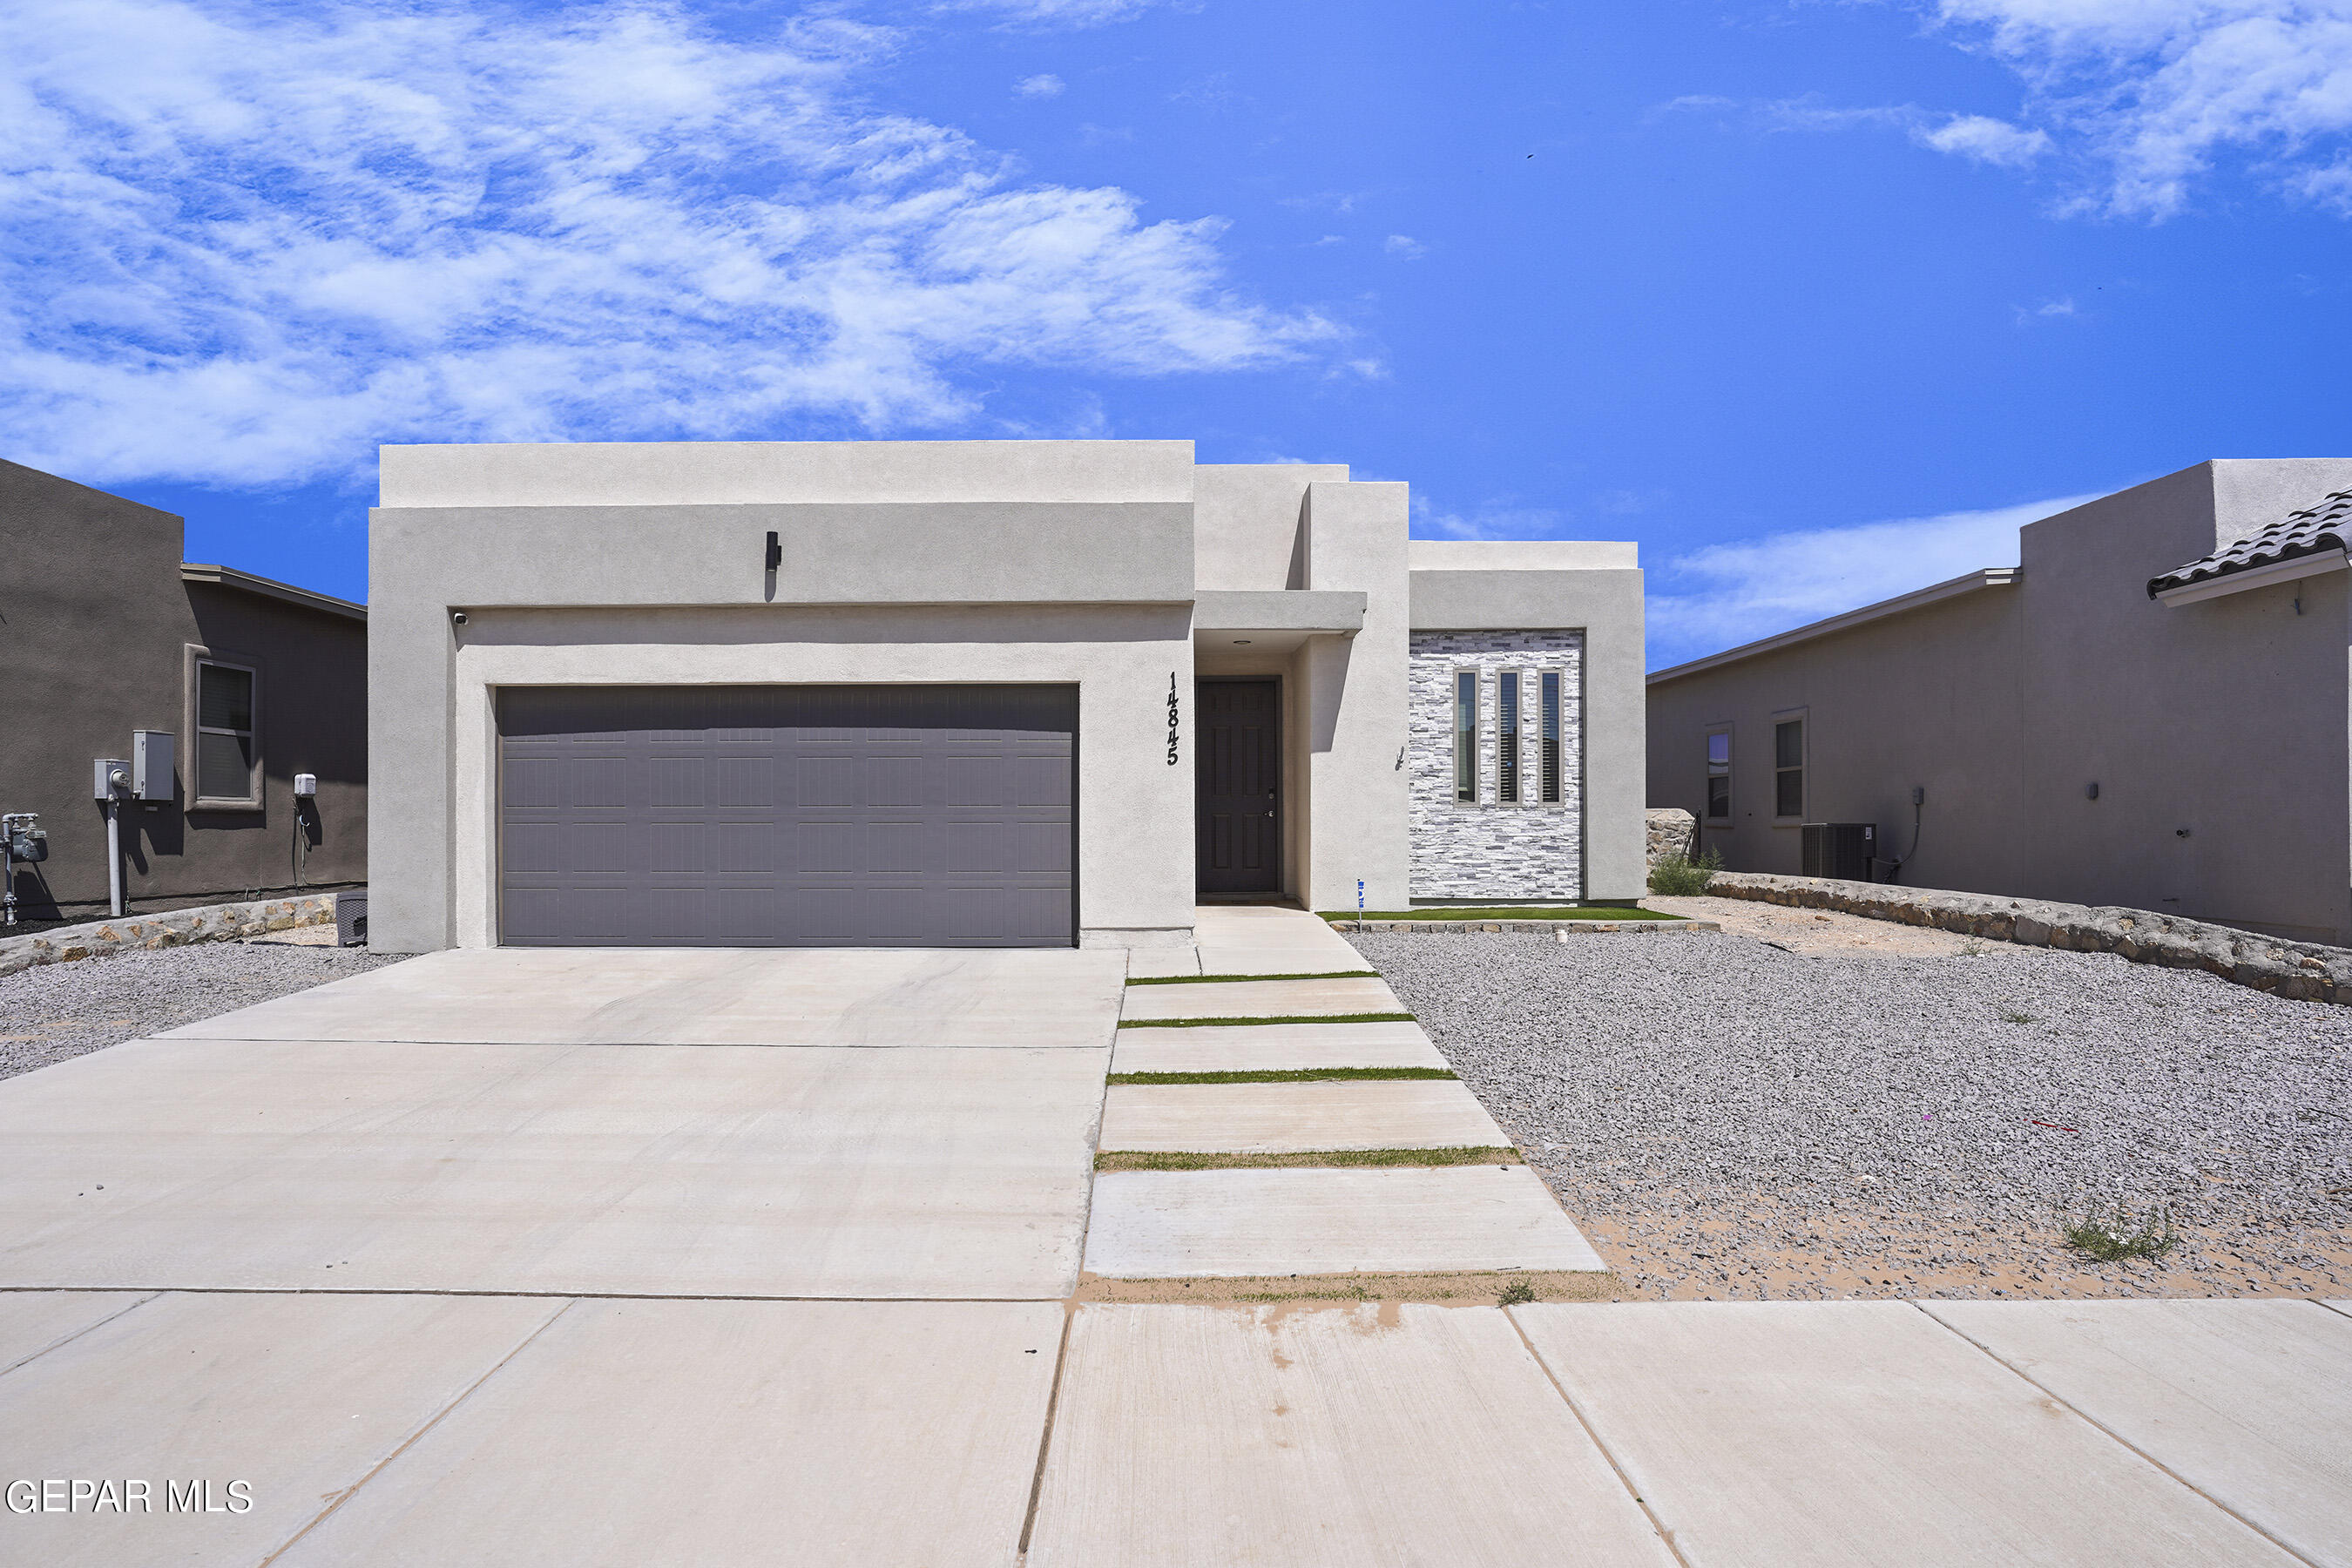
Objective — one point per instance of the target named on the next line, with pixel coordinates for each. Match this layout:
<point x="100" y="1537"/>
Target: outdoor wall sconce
<point x="775" y="553"/>
<point x="2091" y="792"/>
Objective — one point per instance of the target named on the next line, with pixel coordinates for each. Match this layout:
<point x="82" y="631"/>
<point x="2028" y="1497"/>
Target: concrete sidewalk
<point x="333" y="1289"/>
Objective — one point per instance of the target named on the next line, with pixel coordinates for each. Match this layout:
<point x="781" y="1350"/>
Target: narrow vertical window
<point x="1465" y="736"/>
<point x="1718" y="777"/>
<point x="1548" y="733"/>
<point x="224" y="730"/>
<point x="1506" y="727"/>
<point x="1789" y="768"/>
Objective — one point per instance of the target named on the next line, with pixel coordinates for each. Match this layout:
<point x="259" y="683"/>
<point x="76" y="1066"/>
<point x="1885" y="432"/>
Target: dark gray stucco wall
<point x="1927" y="699"/>
<point x="95" y="622"/>
<point x="2226" y="719"/>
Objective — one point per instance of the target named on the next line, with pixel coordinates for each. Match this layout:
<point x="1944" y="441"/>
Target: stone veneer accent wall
<point x="1491" y="850"/>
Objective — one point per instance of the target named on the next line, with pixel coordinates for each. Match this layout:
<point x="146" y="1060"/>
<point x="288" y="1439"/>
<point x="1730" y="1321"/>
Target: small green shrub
<point x="1518" y="1293"/>
<point x="2111" y="1241"/>
<point x="1679" y="875"/>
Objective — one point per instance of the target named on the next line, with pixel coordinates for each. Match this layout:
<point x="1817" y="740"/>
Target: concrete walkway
<point x="330" y="1288"/>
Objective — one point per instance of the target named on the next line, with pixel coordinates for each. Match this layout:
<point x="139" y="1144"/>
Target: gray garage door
<point x="788" y="815"/>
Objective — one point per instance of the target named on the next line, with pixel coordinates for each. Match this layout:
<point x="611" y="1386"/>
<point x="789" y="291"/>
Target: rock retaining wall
<point x="2304" y="970"/>
<point x="1672" y="831"/>
<point x="172" y="928"/>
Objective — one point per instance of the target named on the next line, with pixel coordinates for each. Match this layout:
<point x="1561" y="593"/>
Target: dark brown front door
<point x="1238" y="789"/>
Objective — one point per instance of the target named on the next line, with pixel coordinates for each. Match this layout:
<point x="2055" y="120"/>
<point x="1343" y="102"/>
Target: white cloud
<point x="1055" y="13"/>
<point x="1501" y="517"/>
<point x="1726" y="594"/>
<point x="2157" y="90"/>
<point x="1985" y="140"/>
<point x="2047" y="308"/>
<point x="1405" y="247"/>
<point x="1039" y="86"/>
<point x="243" y="243"/>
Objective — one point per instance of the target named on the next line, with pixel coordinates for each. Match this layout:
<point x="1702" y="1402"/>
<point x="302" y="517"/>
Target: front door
<point x="1237" y="794"/>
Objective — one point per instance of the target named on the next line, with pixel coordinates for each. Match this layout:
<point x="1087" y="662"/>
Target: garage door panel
<point x="788" y="815"/>
<point x="826" y="780"/>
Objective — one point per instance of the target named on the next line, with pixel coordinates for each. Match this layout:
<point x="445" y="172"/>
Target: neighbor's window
<point x="1549" y="735"/>
<point x="1789" y="768"/>
<point x="1718" y="777"/>
<point x="1465" y="736"/>
<point x="1506" y="726"/>
<point x="225" y="729"/>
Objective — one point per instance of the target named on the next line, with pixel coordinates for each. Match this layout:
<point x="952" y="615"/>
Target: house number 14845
<point x="1172" y="717"/>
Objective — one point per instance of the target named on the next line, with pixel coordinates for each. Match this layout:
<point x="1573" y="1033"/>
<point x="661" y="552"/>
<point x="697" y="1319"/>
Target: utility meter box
<point x="151" y="764"/>
<point x="102" y="774"/>
<point x="306" y="785"/>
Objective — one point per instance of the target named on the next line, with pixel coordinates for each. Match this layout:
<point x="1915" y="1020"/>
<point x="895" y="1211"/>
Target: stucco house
<point x="106" y="631"/>
<point x="2150" y="710"/>
<point x="969" y="694"/>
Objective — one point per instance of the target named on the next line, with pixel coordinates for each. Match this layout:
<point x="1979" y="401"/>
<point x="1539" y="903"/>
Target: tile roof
<point x="2328" y="526"/>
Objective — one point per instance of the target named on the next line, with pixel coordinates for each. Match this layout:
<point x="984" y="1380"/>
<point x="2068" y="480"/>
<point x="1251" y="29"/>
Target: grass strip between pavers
<point x="1155" y="1160"/>
<point x="1286" y="1075"/>
<point x="1574" y="912"/>
<point x="1275" y="1018"/>
<point x="1237" y="979"/>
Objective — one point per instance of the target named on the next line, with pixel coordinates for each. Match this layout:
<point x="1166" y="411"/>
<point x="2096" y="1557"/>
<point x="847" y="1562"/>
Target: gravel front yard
<point x="62" y="1010"/>
<point x="1730" y="1119"/>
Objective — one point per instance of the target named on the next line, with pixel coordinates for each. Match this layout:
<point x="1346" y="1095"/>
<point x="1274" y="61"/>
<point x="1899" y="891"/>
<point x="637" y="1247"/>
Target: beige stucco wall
<point x="2226" y="718"/>
<point x="1135" y="821"/>
<point x="1591" y="586"/>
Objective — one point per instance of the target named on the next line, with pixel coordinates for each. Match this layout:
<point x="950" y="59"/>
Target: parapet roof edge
<point x="1967" y="583"/>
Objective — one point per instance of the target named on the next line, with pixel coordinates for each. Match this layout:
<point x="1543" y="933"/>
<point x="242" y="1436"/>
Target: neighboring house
<point x="2150" y="711"/>
<point x="104" y="630"/>
<point x="969" y="694"/>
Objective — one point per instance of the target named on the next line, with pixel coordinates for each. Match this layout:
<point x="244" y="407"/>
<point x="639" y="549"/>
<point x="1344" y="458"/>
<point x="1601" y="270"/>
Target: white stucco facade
<point x="1124" y="571"/>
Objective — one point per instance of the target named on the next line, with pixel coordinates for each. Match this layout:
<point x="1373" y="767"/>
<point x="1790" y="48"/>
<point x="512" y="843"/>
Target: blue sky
<point x="1817" y="301"/>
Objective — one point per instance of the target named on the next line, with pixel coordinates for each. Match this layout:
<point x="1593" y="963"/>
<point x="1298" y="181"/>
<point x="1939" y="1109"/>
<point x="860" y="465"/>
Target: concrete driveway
<point x="473" y="1260"/>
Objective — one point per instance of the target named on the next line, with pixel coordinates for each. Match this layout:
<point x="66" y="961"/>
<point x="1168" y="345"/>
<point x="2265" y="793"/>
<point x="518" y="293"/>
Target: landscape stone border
<point x="172" y="928"/>
<point x="1522" y="928"/>
<point x="2303" y="970"/>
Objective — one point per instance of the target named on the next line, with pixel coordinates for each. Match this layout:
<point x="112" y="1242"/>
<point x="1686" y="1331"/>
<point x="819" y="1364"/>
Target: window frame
<point x="1730" y="792"/>
<point x="192" y="726"/>
<point x="1467" y="733"/>
<point x="1802" y="719"/>
<point x="1510" y="737"/>
<point x="1551" y="737"/>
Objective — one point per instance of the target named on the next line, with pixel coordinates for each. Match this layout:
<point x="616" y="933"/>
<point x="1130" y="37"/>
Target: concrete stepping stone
<point x="1320" y="960"/>
<point x="819" y="1434"/>
<point x="1831" y="1433"/>
<point x="301" y="1396"/>
<point x="625" y="1170"/>
<point x="1194" y="1224"/>
<point x="1155" y="963"/>
<point x="1333" y="1438"/>
<point x="1246" y="999"/>
<point x="2248" y="1401"/>
<point x="1289" y="1117"/>
<point x="1274" y="1047"/>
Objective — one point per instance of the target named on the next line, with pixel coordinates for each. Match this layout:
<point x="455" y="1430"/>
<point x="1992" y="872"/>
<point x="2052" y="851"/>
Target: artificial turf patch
<point x="1285" y="1075"/>
<point x="1237" y="979"/>
<point x="1278" y="1018"/>
<point x="1149" y="1160"/>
